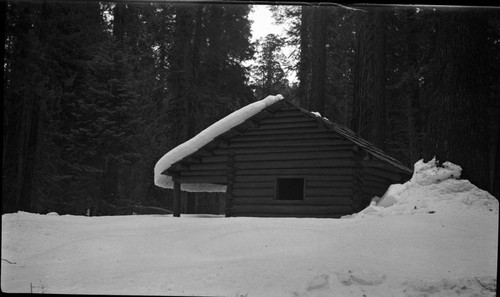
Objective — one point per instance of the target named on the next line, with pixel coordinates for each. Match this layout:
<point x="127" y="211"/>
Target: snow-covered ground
<point x="435" y="235"/>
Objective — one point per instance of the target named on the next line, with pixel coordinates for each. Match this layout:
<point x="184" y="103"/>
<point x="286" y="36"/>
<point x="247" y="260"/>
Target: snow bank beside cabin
<point x="432" y="189"/>
<point x="204" y="137"/>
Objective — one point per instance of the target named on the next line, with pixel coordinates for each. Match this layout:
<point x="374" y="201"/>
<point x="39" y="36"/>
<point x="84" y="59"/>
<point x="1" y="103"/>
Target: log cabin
<point x="275" y="159"/>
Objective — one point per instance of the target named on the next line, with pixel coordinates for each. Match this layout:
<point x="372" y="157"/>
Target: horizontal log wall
<point x="252" y="137"/>
<point x="383" y="173"/>
<point x="291" y="145"/>
<point x="267" y="200"/>
<point x="296" y="118"/>
<point x="283" y="149"/>
<point x="201" y="179"/>
<point x="273" y="143"/>
<point x="292" y="209"/>
<point x="287" y="144"/>
<point x="372" y="179"/>
<point x="271" y="146"/>
<point x="309" y="192"/>
<point x="372" y="189"/>
<point x="264" y="162"/>
<point x="329" y="174"/>
<point x="376" y="181"/>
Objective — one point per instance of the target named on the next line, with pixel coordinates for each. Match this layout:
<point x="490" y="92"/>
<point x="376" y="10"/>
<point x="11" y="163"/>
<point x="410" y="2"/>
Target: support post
<point x="230" y="182"/>
<point x="177" y="199"/>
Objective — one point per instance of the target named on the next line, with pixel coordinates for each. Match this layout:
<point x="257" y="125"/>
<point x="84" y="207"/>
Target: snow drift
<point x="432" y="189"/>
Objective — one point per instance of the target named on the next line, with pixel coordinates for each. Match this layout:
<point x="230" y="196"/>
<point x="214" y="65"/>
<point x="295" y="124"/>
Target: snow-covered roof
<point x="240" y="116"/>
<point x="204" y="137"/>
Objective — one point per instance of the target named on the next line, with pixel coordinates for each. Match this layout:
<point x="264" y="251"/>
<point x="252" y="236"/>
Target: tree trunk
<point x="28" y="158"/>
<point x="364" y="80"/>
<point x="177" y="200"/>
<point x="119" y="20"/>
<point x="109" y="180"/>
<point x="369" y="113"/>
<point x="191" y="65"/>
<point x="413" y="104"/>
<point x="356" y="84"/>
<point x="3" y="14"/>
<point x="318" y="71"/>
<point x="304" y="63"/>
<point x="457" y="120"/>
<point x="29" y="129"/>
<point x="380" y="126"/>
<point x="182" y="78"/>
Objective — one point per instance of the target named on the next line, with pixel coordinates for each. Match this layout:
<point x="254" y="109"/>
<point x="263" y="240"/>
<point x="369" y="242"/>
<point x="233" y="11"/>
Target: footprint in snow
<point x="365" y="278"/>
<point x="319" y="282"/>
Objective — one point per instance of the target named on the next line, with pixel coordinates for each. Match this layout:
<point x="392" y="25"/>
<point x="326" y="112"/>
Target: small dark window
<point x="290" y="189"/>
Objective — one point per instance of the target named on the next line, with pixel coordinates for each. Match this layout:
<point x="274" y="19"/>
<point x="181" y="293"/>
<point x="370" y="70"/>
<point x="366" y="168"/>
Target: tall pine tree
<point x="458" y="124"/>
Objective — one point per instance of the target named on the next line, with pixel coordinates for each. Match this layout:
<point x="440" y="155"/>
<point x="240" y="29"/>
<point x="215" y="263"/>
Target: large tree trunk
<point x="304" y="63"/>
<point x="185" y="58"/>
<point x="3" y="17"/>
<point x="457" y="120"/>
<point x="191" y="65"/>
<point x="318" y="71"/>
<point x="27" y="135"/>
<point x="357" y="94"/>
<point x="369" y="118"/>
<point x="30" y="151"/>
<point x="380" y="126"/>
<point x="413" y="100"/>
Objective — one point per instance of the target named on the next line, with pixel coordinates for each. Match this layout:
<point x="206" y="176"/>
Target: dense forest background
<point x="96" y="92"/>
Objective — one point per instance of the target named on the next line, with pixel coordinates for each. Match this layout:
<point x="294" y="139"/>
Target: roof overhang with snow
<point x="204" y="138"/>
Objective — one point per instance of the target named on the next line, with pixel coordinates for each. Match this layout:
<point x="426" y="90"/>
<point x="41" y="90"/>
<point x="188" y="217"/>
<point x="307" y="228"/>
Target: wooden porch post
<point x="177" y="199"/>
<point x="230" y="182"/>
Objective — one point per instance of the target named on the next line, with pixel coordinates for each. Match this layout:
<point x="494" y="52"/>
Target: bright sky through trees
<point x="264" y="24"/>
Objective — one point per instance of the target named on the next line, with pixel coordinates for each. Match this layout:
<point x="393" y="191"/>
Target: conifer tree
<point x="458" y="124"/>
<point x="269" y="74"/>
